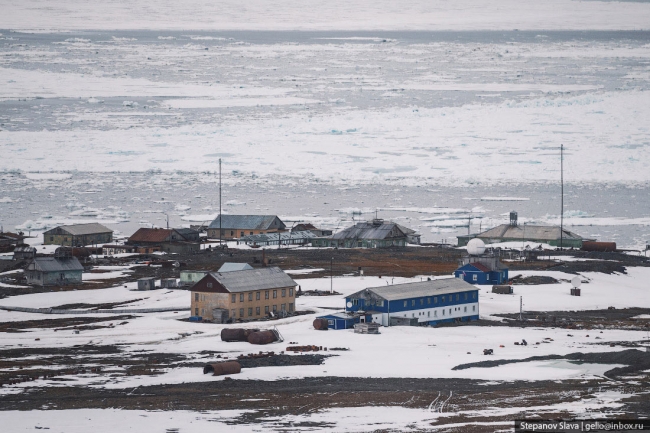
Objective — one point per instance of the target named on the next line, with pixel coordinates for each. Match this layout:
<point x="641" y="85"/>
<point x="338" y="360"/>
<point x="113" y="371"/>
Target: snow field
<point x="396" y="352"/>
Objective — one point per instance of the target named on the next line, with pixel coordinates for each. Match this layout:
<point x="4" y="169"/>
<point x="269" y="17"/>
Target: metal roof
<point x="230" y="267"/>
<point x="83" y="229"/>
<point x="24" y="249"/>
<point x="527" y="231"/>
<point x="254" y="279"/>
<point x="273" y="237"/>
<point x="370" y="230"/>
<point x="186" y="232"/>
<point x="51" y="264"/>
<point x="419" y="289"/>
<point x="246" y="222"/>
<point x="150" y="235"/>
<point x="480" y="266"/>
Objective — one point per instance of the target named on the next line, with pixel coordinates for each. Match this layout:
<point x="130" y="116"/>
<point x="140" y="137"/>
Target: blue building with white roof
<point x="430" y="302"/>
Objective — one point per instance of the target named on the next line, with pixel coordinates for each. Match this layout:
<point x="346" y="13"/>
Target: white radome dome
<point x="475" y="247"/>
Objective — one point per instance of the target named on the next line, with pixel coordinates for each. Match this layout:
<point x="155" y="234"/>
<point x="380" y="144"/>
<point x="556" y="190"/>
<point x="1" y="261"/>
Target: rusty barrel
<point x="221" y="368"/>
<point x="598" y="246"/>
<point x="234" y="334"/>
<point x="261" y="337"/>
<point x="321" y="324"/>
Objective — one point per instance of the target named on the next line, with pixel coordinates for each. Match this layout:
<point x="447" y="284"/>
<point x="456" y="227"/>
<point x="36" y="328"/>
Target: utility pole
<point x="521" y="307"/>
<point x="332" y="275"/>
<point x="220" y="216"/>
<point x="562" y="199"/>
<point x="469" y="223"/>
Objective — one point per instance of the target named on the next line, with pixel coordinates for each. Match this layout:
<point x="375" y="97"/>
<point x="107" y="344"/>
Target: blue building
<point x="479" y="273"/>
<point x="427" y="302"/>
<point x="345" y="320"/>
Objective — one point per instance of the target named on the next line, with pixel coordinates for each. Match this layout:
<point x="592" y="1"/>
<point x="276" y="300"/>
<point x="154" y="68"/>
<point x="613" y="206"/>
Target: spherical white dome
<point x="576" y="281"/>
<point x="475" y="247"/>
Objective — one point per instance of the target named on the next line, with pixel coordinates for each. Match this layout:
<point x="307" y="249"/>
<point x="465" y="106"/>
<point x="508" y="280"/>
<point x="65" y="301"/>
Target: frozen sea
<point x="431" y="128"/>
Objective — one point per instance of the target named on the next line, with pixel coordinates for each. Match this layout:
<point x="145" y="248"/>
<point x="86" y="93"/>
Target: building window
<point x="435" y="313"/>
<point x="257" y="296"/>
<point x="284" y="292"/>
<point x="250" y="296"/>
<point x="209" y="285"/>
<point x="242" y="233"/>
<point x="473" y="307"/>
<point x="428" y="300"/>
<point x="232" y="233"/>
<point x="283" y="307"/>
<point x="266" y="310"/>
<point x="435" y="300"/>
<point x="290" y="292"/>
<point x="275" y="308"/>
<point x="233" y="313"/>
<point x="196" y="296"/>
<point x="51" y="238"/>
<point x="275" y="294"/>
<point x="241" y="312"/>
<point x="202" y="311"/>
<point x="241" y="297"/>
<point x="443" y="299"/>
<point x="266" y="295"/>
<point x="443" y="311"/>
<point x="257" y="311"/>
<point x="251" y="233"/>
<point x="474" y="277"/>
<point x="474" y="295"/>
<point x="250" y="312"/>
<point x="465" y="310"/>
<point x="428" y="313"/>
<point x="457" y="297"/>
<point x="234" y="298"/>
<point x="421" y="301"/>
<point x="413" y="303"/>
<point x="330" y="322"/>
<point x="405" y="303"/>
<point x="466" y="296"/>
<point x="291" y="307"/>
<point x="196" y="311"/>
<point x="450" y="311"/>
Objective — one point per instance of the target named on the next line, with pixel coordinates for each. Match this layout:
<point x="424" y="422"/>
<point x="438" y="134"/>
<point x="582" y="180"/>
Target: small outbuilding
<point x="502" y="289"/>
<point x="24" y="252"/>
<point x="343" y="320"/>
<point x="190" y="277"/>
<point x="146" y="284"/>
<point x="52" y="271"/>
<point x="231" y="267"/>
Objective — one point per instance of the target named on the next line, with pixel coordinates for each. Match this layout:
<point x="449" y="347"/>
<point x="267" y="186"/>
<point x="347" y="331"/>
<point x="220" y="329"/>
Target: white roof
<point x="419" y="289"/>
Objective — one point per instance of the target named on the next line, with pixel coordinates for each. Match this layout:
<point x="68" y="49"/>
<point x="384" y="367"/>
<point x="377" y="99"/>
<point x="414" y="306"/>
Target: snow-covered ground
<point x="433" y="352"/>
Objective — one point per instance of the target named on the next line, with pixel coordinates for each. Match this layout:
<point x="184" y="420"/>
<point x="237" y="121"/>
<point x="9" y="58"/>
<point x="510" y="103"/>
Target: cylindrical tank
<point x="261" y="337"/>
<point x="598" y="246"/>
<point x="233" y="334"/>
<point x="221" y="368"/>
<point x="321" y="324"/>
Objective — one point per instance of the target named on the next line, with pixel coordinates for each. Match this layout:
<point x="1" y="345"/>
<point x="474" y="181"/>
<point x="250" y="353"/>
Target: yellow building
<point x="246" y="294"/>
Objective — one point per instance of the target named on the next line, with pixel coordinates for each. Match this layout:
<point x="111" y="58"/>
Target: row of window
<point x="448" y="298"/>
<point x="258" y="310"/>
<point x="444" y="310"/>
<point x="283" y="294"/>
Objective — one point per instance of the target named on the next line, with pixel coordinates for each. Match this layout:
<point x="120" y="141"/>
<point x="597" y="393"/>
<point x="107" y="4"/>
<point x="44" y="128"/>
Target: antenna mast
<point x="220" y="215"/>
<point x="562" y="197"/>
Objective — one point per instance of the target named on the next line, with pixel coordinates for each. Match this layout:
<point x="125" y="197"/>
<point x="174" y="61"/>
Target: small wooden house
<point x="52" y="271"/>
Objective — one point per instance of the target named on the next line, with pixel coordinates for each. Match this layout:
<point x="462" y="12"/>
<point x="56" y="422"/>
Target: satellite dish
<point x="475" y="247"/>
<point x="576" y="281"/>
<point x="349" y="304"/>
